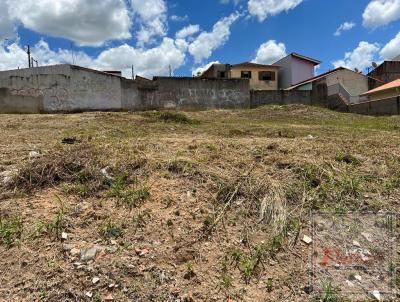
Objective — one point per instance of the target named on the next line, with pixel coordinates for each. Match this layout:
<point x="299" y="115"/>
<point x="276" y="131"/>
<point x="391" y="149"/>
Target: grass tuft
<point x="10" y="230"/>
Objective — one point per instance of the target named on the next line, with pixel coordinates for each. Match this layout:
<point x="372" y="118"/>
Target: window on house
<point x="246" y="75"/>
<point x="221" y="74"/>
<point x="266" y="75"/>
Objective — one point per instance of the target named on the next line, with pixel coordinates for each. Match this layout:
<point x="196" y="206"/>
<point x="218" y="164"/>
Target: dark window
<point x="266" y="75"/>
<point x="221" y="74"/>
<point x="246" y="75"/>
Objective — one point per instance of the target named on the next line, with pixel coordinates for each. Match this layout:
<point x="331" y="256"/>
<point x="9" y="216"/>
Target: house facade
<point x="387" y="72"/>
<point x="343" y="82"/>
<point x="295" y="68"/>
<point x="386" y="91"/>
<point x="260" y="76"/>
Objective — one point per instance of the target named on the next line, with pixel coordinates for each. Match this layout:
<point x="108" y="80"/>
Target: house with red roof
<point x="386" y="91"/>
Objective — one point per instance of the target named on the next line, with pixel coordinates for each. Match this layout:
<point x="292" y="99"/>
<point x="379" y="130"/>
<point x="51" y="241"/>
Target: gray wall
<point x="64" y="88"/>
<point x="279" y="97"/>
<point x="69" y="88"/>
<point x="389" y="106"/>
<point x="11" y="103"/>
<point x="195" y="93"/>
<point x="285" y="72"/>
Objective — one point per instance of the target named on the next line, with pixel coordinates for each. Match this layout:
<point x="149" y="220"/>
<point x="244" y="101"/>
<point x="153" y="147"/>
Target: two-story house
<point x="261" y="76"/>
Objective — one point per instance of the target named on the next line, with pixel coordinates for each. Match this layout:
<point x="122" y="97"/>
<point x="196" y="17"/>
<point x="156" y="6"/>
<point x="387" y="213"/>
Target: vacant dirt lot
<point x="207" y="206"/>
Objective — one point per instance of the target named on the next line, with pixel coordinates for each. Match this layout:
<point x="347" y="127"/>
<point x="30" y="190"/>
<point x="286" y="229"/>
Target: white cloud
<point x="147" y="62"/>
<point x="381" y="12"/>
<point x="177" y="18"/>
<point x="187" y="31"/>
<point x="6" y="23"/>
<point x="264" y="8"/>
<point x="360" y="58"/>
<point x="235" y="2"/>
<point x="86" y="22"/>
<point x="270" y="52"/>
<point x="153" y="18"/>
<point x="392" y="49"/>
<point x="344" y="27"/>
<point x="203" y="46"/>
<point x="13" y="56"/>
<point x="199" y="70"/>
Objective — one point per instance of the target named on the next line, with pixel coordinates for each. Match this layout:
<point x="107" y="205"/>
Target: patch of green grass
<point x="330" y="293"/>
<point x="170" y="117"/>
<point x="226" y="281"/>
<point x="129" y="197"/>
<point x="348" y="159"/>
<point x="133" y="198"/>
<point x="269" y="285"/>
<point x="110" y="229"/>
<point x="10" y="229"/>
<point x="58" y="224"/>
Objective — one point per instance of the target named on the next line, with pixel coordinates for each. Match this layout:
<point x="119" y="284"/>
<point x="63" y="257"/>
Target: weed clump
<point x="10" y="229"/>
<point x="170" y="117"/>
<point x="78" y="164"/>
<point x="110" y="229"/>
<point x="348" y="159"/>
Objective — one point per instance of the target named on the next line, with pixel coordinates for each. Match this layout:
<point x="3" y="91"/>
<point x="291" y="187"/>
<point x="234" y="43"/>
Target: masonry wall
<point x="63" y="88"/>
<point x="390" y="106"/>
<point x="68" y="88"/>
<point x="280" y="97"/>
<point x="11" y="103"/>
<point x="200" y="94"/>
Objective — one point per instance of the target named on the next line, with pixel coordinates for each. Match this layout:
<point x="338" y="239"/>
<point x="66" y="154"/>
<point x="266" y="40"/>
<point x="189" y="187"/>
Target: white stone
<point x="95" y="280"/>
<point x="356" y="243"/>
<point x="358" y="277"/>
<point x="89" y="294"/>
<point x="307" y="239"/>
<point x="64" y="235"/>
<point x="377" y="295"/>
<point x="367" y="236"/>
<point x="34" y="154"/>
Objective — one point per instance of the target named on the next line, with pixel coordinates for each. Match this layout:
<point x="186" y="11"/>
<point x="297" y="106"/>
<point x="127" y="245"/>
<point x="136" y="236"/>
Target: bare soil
<point x="201" y="206"/>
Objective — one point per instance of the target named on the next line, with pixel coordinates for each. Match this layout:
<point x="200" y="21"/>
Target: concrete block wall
<point x="198" y="93"/>
<point x="63" y="88"/>
<point x="390" y="106"/>
<point x="69" y="88"/>
<point x="279" y="97"/>
<point x="11" y="103"/>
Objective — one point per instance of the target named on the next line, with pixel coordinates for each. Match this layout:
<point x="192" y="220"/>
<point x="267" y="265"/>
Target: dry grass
<point x="204" y="206"/>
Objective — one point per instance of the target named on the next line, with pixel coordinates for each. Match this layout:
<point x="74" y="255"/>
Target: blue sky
<point x="189" y="34"/>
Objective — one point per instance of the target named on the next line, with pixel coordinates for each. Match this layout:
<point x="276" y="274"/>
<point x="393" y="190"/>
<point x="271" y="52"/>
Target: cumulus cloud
<point x="203" y="46"/>
<point x="13" y="56"/>
<point x="200" y="69"/>
<point x="270" y="52"/>
<point x="264" y="8"/>
<point x="153" y="18"/>
<point x="147" y="62"/>
<point x="360" y="58"/>
<point x="6" y="23"/>
<point x="187" y="31"/>
<point x="381" y="12"/>
<point x="86" y="22"/>
<point x="391" y="49"/>
<point x="344" y="27"/>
